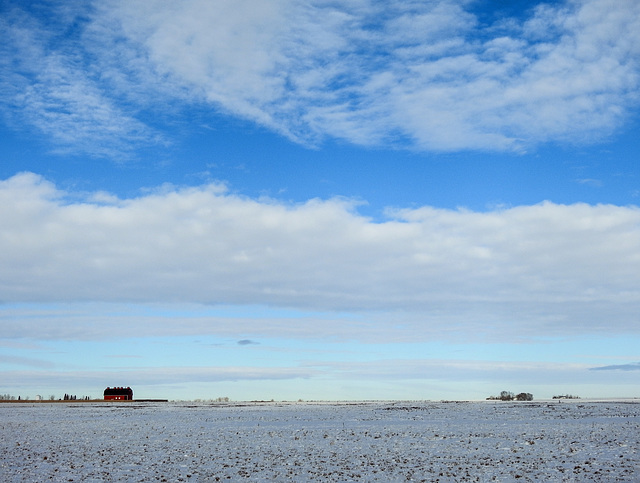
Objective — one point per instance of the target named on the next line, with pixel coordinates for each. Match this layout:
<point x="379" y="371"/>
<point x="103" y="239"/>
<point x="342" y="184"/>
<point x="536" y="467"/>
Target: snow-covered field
<point x="382" y="441"/>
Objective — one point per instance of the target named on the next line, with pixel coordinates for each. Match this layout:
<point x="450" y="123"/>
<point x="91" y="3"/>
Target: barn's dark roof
<point x="118" y="391"/>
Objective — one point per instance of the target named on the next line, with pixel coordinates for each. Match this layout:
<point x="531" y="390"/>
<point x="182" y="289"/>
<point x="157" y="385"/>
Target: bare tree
<point x="506" y="396"/>
<point x="524" y="396"/>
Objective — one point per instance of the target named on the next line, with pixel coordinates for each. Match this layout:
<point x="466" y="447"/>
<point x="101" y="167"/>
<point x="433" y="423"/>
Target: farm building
<point x="118" y="393"/>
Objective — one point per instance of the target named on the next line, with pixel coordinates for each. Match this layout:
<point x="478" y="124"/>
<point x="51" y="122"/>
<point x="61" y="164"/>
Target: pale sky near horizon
<point x="320" y="199"/>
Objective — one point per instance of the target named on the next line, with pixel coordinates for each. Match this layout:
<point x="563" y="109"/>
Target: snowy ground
<point x="425" y="441"/>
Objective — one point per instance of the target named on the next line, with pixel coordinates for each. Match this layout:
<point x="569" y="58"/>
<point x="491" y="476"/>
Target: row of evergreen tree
<point x="69" y="397"/>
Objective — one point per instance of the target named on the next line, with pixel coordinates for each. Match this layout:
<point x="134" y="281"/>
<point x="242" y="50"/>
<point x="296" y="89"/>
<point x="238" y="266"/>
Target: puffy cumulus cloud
<point x="526" y="271"/>
<point x="427" y="75"/>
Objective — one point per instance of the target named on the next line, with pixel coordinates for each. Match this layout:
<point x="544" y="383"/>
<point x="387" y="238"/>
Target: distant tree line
<point x="69" y="397"/>
<point x="222" y="399"/>
<point x="566" y="396"/>
<point x="52" y="397"/>
<point x="9" y="397"/>
<point x="509" y="396"/>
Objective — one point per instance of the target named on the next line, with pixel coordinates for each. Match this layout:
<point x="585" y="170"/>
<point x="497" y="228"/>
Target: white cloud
<point x="412" y="72"/>
<point x="371" y="74"/>
<point x="383" y="379"/>
<point x="48" y="84"/>
<point x="619" y="367"/>
<point x="152" y="376"/>
<point x="24" y="361"/>
<point x="463" y="371"/>
<point x="520" y="272"/>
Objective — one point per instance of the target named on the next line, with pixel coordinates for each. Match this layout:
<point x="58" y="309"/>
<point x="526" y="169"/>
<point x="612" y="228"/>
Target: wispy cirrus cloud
<point x="424" y="375"/>
<point x="24" y="361"/>
<point x="370" y="73"/>
<point x="427" y="76"/>
<point x="49" y="84"/>
<point x="154" y="376"/>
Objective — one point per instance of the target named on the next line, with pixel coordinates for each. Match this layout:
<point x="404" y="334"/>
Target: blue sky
<point x="320" y="199"/>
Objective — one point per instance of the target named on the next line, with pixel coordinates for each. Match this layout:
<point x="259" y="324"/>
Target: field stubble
<point x="381" y="441"/>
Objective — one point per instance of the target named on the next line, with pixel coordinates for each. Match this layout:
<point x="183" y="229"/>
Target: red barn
<point x="118" y="393"/>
